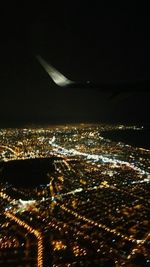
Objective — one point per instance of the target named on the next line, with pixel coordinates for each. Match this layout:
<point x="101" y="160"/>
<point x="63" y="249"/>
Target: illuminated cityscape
<point x="74" y="134"/>
<point x="72" y="197"/>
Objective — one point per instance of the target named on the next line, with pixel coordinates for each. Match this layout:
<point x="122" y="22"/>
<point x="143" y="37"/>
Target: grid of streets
<point x="95" y="208"/>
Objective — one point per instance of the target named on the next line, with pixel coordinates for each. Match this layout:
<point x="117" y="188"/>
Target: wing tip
<point x="57" y="77"/>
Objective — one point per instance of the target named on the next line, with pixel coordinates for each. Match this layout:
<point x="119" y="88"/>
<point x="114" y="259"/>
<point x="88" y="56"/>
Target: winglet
<point x="55" y="75"/>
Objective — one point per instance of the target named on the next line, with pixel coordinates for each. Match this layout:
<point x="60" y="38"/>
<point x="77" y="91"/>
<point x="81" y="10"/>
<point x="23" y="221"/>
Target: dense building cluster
<point x="94" y="209"/>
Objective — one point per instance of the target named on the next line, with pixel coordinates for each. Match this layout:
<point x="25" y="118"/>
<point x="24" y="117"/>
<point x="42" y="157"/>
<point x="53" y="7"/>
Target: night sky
<point x="101" y="43"/>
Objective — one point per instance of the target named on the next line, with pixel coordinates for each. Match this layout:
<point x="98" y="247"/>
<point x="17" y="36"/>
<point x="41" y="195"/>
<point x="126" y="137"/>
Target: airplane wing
<point x="115" y="88"/>
<point x="55" y="75"/>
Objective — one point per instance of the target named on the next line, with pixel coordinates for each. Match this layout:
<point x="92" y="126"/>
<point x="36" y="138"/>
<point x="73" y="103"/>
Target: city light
<point x="86" y="199"/>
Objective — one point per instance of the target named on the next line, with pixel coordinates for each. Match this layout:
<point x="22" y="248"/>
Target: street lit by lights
<point x="92" y="203"/>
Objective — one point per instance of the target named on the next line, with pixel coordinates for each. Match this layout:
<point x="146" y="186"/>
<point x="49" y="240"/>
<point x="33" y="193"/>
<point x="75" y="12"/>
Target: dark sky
<point x="101" y="43"/>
